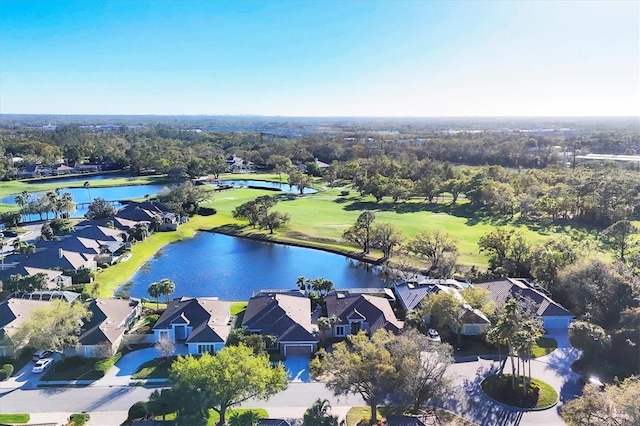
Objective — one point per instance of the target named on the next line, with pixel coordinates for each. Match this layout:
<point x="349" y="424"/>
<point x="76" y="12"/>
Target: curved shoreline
<point x="225" y="229"/>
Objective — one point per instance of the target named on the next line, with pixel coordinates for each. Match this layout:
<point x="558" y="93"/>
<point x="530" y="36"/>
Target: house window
<point x="340" y="330"/>
<point x="206" y="349"/>
<point x="164" y="335"/>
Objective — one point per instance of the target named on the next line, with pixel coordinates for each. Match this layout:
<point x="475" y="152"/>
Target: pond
<point x="81" y="195"/>
<point x="231" y="268"/>
<point x="282" y="186"/>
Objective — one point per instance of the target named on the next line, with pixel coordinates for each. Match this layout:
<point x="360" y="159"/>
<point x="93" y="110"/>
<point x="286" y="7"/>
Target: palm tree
<point x="2" y="240"/>
<point x="66" y="203"/>
<point x="22" y="200"/>
<point x="87" y="185"/>
<point x="318" y="414"/>
<point x="154" y="291"/>
<point x="166" y="287"/>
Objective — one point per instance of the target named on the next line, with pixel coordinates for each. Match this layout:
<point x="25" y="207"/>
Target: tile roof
<point x="506" y="288"/>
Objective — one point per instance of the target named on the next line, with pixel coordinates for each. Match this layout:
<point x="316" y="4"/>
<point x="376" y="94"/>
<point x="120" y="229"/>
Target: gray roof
<point x="286" y="316"/>
<point x="376" y="310"/>
<point x="506" y="288"/>
<point x="403" y="421"/>
<point x="107" y="320"/>
<point x="410" y="295"/>
<point x="14" y="312"/>
<point x="208" y="317"/>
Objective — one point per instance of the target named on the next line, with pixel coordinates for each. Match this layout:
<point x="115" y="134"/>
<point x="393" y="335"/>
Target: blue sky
<point x="320" y="58"/>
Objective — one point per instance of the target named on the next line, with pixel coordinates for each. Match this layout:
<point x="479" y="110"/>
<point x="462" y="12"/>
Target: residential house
<point x="411" y="294"/>
<point x="356" y="312"/>
<point x="110" y="318"/>
<point x="553" y="315"/>
<point x="273" y="422"/>
<point x="64" y="260"/>
<point x="405" y="421"/>
<point x="13" y="313"/>
<point x="203" y="324"/>
<point x="63" y="169"/>
<point x="46" y="295"/>
<point x="55" y="279"/>
<point x="287" y="317"/>
<point x="239" y="165"/>
<point x="33" y="171"/>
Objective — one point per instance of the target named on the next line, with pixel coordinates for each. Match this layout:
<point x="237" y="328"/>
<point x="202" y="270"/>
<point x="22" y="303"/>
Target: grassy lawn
<point x="445" y="418"/>
<point x="80" y="368"/>
<point x="317" y="221"/>
<point x="14" y="418"/>
<point x="238" y="309"/>
<point x="154" y="369"/>
<point x="214" y="417"/>
<point x="544" y="346"/>
<point x="18" y="363"/>
<point x="540" y="394"/>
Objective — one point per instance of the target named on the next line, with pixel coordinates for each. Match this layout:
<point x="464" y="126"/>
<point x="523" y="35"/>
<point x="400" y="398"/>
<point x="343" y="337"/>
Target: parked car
<point x="41" y="365"/>
<point x="591" y="380"/>
<point x="433" y="336"/>
<point x="42" y="353"/>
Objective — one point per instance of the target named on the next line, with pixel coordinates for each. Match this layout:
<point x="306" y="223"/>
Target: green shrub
<point x="78" y="419"/>
<point x="207" y="211"/>
<point x="6" y="371"/>
<point x="344" y="193"/>
<point x="138" y="411"/>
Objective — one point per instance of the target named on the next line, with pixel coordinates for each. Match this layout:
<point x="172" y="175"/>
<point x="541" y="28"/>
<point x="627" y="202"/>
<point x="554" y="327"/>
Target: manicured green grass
<point x="80" y="368"/>
<point x="356" y="414"/>
<point x="18" y="362"/>
<point x="214" y="417"/>
<point x="540" y="394"/>
<point x="238" y="309"/>
<point x="155" y="369"/>
<point x="544" y="346"/>
<point x="14" y="418"/>
<point x="318" y="221"/>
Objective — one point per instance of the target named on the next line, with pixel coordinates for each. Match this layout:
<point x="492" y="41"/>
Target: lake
<point x="81" y="195"/>
<point x="282" y="186"/>
<point x="231" y="268"/>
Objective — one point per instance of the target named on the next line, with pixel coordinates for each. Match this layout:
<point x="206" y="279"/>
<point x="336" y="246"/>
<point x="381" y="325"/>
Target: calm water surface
<point x="232" y="268"/>
<point x="81" y="195"/>
<point x="285" y="187"/>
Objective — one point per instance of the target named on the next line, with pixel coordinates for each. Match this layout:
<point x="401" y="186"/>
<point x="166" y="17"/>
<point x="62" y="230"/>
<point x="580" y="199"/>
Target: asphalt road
<point x="90" y="399"/>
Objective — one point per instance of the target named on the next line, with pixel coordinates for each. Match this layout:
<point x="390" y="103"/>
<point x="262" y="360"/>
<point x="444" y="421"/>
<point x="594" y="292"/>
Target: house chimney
<point x="60" y="253"/>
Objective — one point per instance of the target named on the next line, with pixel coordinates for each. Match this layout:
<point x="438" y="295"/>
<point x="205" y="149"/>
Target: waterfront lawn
<point x="238" y="309"/>
<point x="14" y="418"/>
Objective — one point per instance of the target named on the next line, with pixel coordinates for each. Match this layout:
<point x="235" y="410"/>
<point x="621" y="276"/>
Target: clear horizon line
<point x="318" y="116"/>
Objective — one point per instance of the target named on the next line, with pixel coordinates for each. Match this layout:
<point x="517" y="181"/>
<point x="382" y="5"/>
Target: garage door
<point x="298" y="350"/>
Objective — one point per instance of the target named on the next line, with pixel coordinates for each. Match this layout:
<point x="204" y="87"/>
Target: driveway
<point x="470" y="402"/>
<point x="120" y="374"/>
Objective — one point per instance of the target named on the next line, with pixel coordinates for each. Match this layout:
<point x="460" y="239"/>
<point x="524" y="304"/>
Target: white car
<point x="41" y="365"/>
<point x="433" y="336"/>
